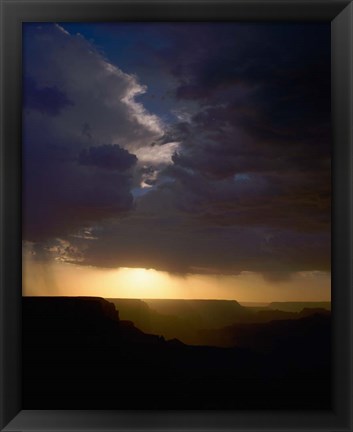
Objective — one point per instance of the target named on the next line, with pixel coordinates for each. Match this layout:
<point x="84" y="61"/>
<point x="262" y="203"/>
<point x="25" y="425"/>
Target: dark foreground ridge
<point x="79" y="354"/>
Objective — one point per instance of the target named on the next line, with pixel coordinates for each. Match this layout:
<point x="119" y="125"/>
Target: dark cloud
<point x="248" y="185"/>
<point x="72" y="179"/>
<point x="62" y="196"/>
<point x="301" y="203"/>
<point x="159" y="236"/>
<point x="257" y="150"/>
<point x="47" y="99"/>
<point x="111" y="157"/>
<point x="274" y="82"/>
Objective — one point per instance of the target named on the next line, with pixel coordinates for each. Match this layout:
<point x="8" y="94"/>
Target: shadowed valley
<point x="195" y="321"/>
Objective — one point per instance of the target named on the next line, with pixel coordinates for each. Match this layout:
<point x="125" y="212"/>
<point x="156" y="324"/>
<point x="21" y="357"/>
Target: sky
<point x="177" y="160"/>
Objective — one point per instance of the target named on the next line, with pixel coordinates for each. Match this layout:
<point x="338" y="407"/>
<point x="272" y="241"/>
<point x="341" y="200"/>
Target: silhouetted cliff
<point x="78" y="354"/>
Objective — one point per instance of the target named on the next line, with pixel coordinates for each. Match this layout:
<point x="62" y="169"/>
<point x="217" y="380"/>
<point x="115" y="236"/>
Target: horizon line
<point x="185" y="299"/>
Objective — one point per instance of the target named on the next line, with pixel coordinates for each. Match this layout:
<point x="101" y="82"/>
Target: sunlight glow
<point x="140" y="279"/>
<point x="53" y="278"/>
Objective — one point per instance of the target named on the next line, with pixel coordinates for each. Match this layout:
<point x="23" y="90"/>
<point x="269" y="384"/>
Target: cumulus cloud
<point x="81" y="129"/>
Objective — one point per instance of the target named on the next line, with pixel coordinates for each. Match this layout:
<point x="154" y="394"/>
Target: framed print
<point x="176" y="219"/>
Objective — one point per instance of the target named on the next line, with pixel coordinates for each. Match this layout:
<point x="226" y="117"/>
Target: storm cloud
<point x="210" y="153"/>
<point x="81" y="126"/>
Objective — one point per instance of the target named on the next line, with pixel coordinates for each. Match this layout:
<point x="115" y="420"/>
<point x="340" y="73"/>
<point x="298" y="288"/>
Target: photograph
<point x="176" y="215"/>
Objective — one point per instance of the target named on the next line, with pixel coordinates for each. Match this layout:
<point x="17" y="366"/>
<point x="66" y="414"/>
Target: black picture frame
<point x="13" y="13"/>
